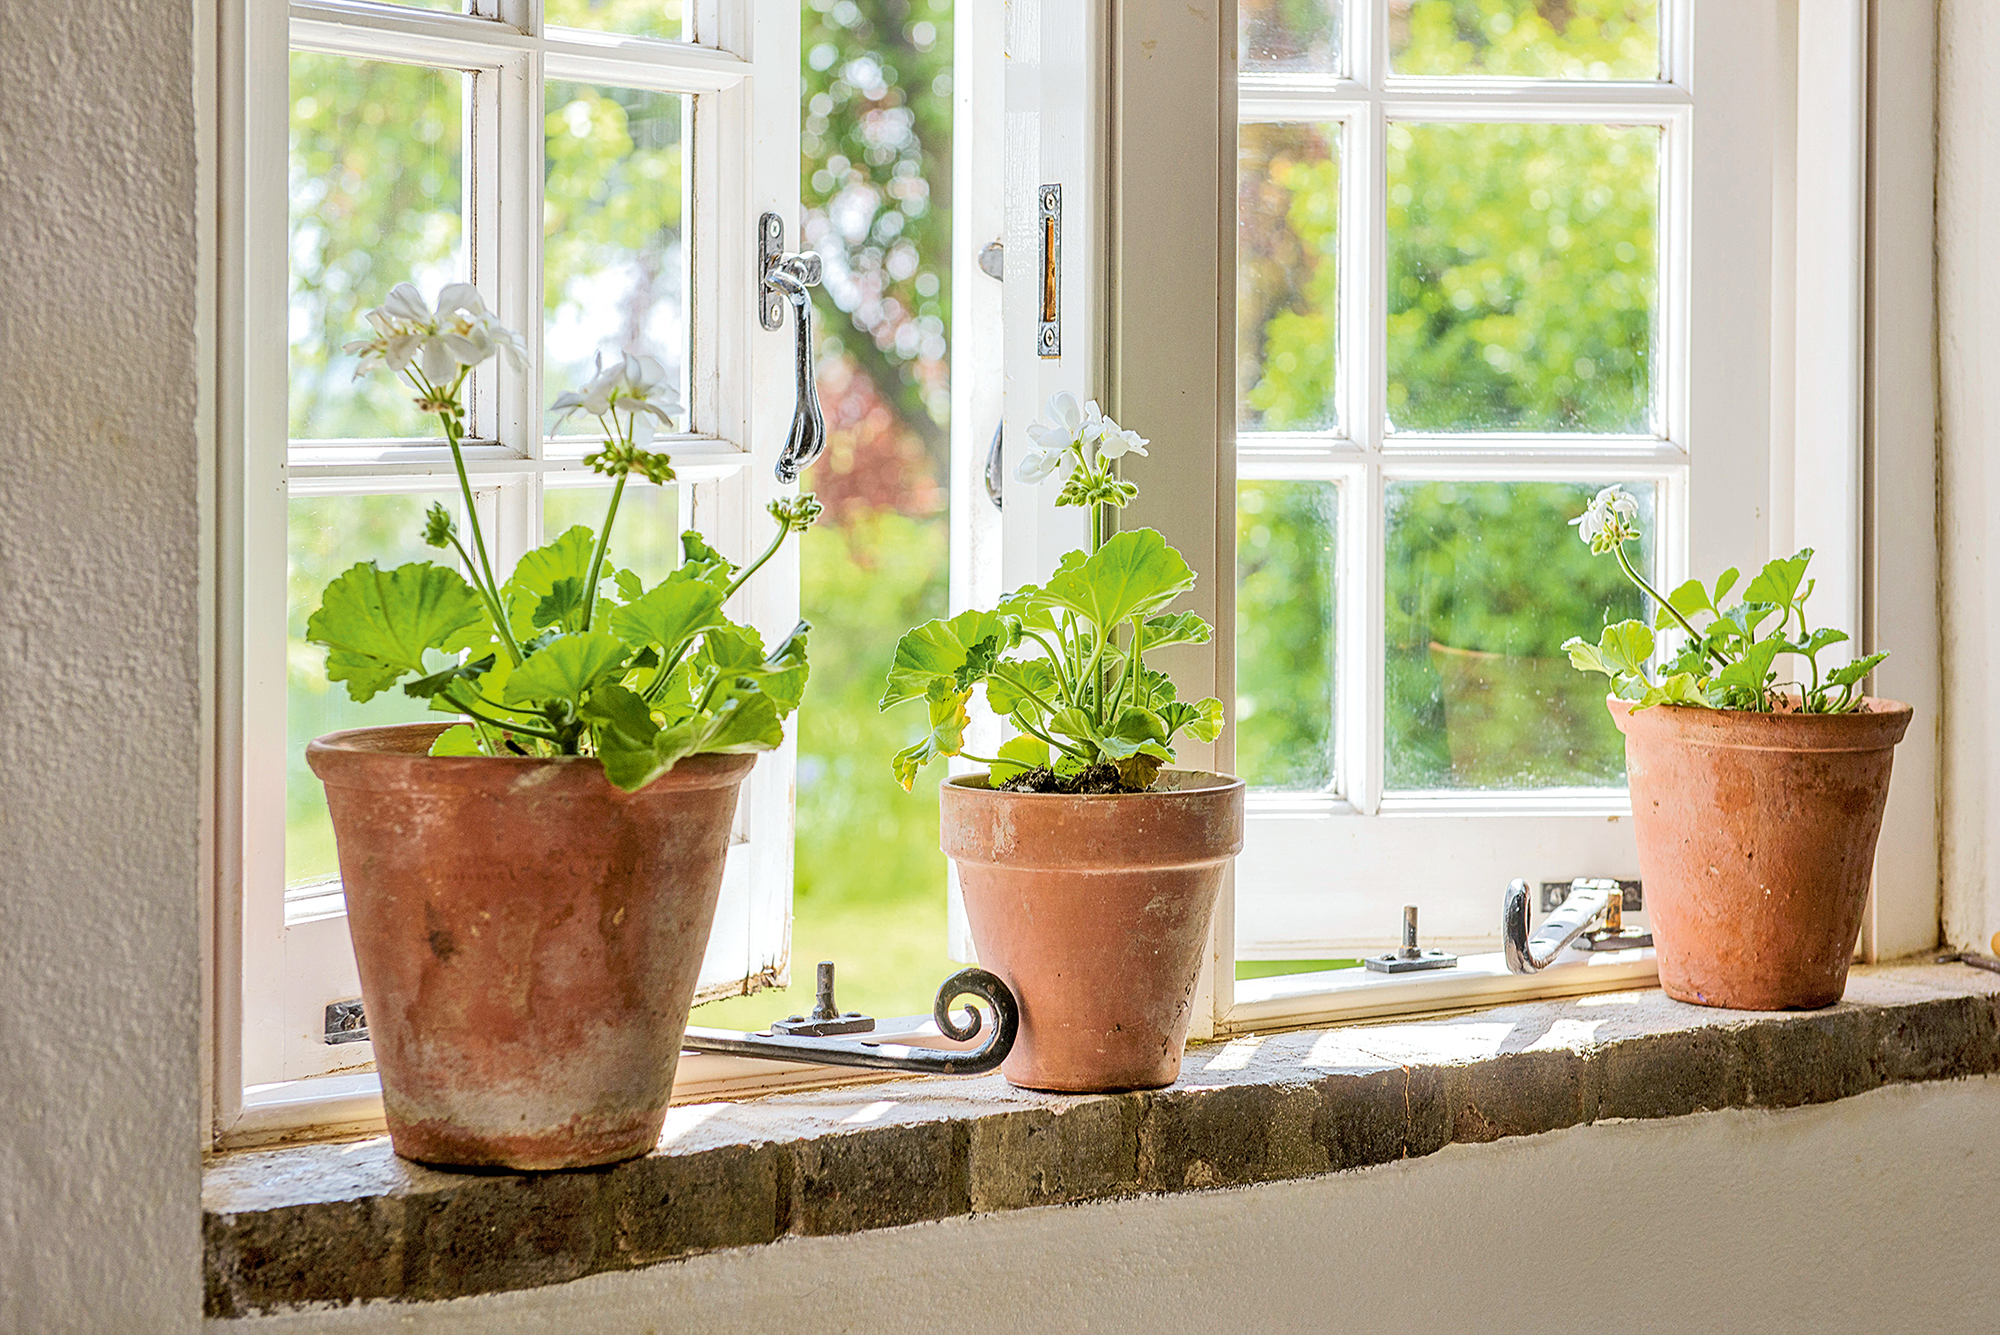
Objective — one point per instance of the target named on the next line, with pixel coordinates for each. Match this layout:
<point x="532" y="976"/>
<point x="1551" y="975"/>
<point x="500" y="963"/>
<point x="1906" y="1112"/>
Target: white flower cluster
<point x="1611" y="519"/>
<point x="459" y="332"/>
<point x="1073" y="429"/>
<point x="639" y="385"/>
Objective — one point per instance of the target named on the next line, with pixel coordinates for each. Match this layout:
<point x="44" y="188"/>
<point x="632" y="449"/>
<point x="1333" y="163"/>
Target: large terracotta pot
<point x="1095" y="910"/>
<point x="529" y="939"/>
<point x="1757" y="845"/>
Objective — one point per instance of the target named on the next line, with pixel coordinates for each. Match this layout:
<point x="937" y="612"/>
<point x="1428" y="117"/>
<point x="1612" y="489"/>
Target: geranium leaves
<point x="1132" y="575"/>
<point x="377" y="624"/>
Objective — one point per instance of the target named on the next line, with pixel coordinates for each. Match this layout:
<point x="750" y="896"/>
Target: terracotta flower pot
<point x="529" y="939"/>
<point x="1757" y="845"/>
<point x="1095" y="910"/>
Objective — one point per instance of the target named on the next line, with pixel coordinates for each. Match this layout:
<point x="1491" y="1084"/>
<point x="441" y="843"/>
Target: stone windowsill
<point x="335" y="1223"/>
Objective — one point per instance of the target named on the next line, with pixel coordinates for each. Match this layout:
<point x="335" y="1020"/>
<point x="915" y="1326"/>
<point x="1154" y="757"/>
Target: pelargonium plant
<point x="1065" y="662"/>
<point x="570" y="655"/>
<point x="1731" y="662"/>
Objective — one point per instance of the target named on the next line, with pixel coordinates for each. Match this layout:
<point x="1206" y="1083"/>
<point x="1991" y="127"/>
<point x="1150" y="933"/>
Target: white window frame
<point x="1827" y="466"/>
<point x="742" y="69"/>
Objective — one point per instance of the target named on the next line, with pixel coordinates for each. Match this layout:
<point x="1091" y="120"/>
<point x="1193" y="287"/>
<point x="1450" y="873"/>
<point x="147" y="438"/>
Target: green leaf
<point x="619" y="716"/>
<point x="1132" y="575"/>
<point x="782" y="677"/>
<point x="946" y="737"/>
<point x="1778" y="582"/>
<point x="1178" y="628"/>
<point x="1621" y="651"/>
<point x="1008" y="684"/>
<point x="1723" y="584"/>
<point x="1136" y="730"/>
<point x="1679" y="689"/>
<point x="568" y="669"/>
<point x="628" y="584"/>
<point x="1752" y="672"/>
<point x="1849" y="674"/>
<point x="699" y="561"/>
<point x="1201" y="720"/>
<point x="961" y="651"/>
<point x="747" y="722"/>
<point x="536" y="575"/>
<point x="1018" y="756"/>
<point x="563" y="606"/>
<point x="1074" y="722"/>
<point x="423" y="688"/>
<point x="460" y="739"/>
<point x="1690" y="598"/>
<point x="376" y="625"/>
<point x="669" y="616"/>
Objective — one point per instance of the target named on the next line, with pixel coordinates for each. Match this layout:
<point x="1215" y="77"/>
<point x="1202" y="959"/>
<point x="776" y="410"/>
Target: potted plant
<point x="1090" y="870"/>
<point x="530" y="888"/>
<point x="1756" y="801"/>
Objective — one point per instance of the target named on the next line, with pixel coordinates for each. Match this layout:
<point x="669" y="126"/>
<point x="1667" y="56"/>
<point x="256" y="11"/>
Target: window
<point x="596" y="168"/>
<point x="1473" y="261"/>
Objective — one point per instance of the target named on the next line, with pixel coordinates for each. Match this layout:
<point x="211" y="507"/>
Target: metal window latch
<point x="783" y="276"/>
<point x="1410" y="959"/>
<point x="881" y="1054"/>
<point x="1048" y="337"/>
<point x="346" y="1022"/>
<point x="996" y="475"/>
<point x="1591" y="918"/>
<point x="826" y="1018"/>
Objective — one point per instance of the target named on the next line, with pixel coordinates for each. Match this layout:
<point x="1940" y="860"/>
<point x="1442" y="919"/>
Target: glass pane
<point x="327" y="534"/>
<point x="1287" y="276"/>
<point x="376" y="199"/>
<point x="614" y="269"/>
<point x="1485" y="582"/>
<point x="1522" y="277"/>
<point x="633" y="18"/>
<point x="1285" y="591"/>
<point x="1526" y="39"/>
<point x="645" y="538"/>
<point x="1289" y="35"/>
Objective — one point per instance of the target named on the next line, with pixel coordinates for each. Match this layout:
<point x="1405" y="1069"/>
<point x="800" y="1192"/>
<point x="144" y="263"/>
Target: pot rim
<point x="349" y="753"/>
<point x="1222" y="783"/>
<point x="1878" y="725"/>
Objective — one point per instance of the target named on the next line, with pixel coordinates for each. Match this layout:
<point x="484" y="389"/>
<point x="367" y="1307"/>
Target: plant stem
<point x="1675" y="612"/>
<point x="504" y="726"/>
<point x="597" y="557"/>
<point x="451" y="437"/>
<point x="783" y="530"/>
<point x="1057" y="659"/>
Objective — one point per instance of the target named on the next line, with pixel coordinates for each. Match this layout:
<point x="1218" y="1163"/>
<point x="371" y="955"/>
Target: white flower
<point x="1074" y="425"/>
<point x="1039" y="462"/>
<point x="460" y="331"/>
<point x="1610" y="519"/>
<point x="1117" y="442"/>
<point x="638" y="385"/>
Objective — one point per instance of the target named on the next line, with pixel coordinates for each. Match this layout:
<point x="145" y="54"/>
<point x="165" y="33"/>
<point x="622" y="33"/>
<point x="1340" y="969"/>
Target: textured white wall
<point x="1968" y="283"/>
<point x="1878" y="1214"/>
<point x="99" y="981"/>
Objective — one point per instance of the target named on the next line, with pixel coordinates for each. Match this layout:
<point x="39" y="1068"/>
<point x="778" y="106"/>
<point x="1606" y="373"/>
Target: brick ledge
<point x="340" y="1223"/>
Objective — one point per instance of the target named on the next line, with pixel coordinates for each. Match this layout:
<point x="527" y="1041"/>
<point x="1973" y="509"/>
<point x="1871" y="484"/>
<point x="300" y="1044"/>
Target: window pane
<point x="1526" y="39"/>
<point x="645" y="538"/>
<point x="1522" y="277"/>
<point x="633" y="18"/>
<point x="1287" y="277"/>
<point x="1289" y="35"/>
<point x="1285" y="591"/>
<point x="614" y="270"/>
<point x="376" y="199"/>
<point x="1485" y="582"/>
<point x="327" y="535"/>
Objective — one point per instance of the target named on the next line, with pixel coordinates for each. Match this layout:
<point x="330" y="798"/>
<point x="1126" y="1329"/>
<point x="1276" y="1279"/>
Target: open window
<point x="598" y="169"/>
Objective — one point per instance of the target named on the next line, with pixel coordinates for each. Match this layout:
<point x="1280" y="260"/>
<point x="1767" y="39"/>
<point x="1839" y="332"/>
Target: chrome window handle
<point x="789" y="275"/>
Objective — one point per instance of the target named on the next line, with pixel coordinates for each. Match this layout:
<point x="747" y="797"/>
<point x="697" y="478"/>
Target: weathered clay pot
<point x="529" y="939"/>
<point x="1757" y="845"/>
<point x="1095" y="910"/>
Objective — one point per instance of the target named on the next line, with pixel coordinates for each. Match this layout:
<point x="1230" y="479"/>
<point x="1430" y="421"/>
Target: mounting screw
<point x="1410" y="958"/>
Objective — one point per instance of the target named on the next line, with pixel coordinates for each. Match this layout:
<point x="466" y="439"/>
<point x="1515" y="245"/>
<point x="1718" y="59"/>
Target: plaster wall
<point x="1876" y="1214"/>
<point x="1968" y="297"/>
<point x="99" y="667"/>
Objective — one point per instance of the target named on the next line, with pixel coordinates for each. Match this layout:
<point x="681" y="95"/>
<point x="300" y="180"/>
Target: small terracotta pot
<point x="1757" y="845"/>
<point x="529" y="938"/>
<point x="1095" y="910"/>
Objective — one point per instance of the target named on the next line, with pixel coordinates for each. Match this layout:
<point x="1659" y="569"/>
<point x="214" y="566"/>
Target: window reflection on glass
<point x="1285" y="593"/>
<point x="1522" y="277"/>
<point x="614" y="262"/>
<point x="632" y="18"/>
<point x="376" y="186"/>
<point x="645" y="539"/>
<point x="327" y="534"/>
<point x="1287" y="277"/>
<point x="1485" y="581"/>
<point x="1526" y="39"/>
<point x="1289" y="35"/>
